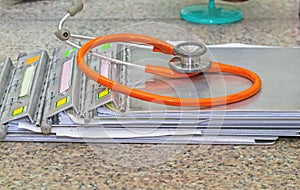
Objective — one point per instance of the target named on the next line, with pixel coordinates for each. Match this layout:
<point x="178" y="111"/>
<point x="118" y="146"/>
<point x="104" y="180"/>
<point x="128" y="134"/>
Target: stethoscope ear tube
<point x="75" y="8"/>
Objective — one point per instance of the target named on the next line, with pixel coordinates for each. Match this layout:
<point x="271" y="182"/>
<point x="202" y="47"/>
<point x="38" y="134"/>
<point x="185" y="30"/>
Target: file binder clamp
<point x="187" y="62"/>
<point x="5" y="72"/>
<point x="24" y="86"/>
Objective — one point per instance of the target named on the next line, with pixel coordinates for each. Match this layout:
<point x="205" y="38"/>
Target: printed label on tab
<point x="65" y="77"/>
<point x="27" y="81"/>
<point x="105" y="66"/>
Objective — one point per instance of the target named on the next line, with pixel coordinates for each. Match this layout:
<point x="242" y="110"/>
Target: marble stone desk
<point x="29" y="27"/>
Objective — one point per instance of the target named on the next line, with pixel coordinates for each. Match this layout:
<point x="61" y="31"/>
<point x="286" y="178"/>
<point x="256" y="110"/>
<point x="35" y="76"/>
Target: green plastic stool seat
<point x="211" y="13"/>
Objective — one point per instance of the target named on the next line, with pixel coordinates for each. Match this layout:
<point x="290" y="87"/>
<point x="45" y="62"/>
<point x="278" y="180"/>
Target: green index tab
<point x="105" y="46"/>
<point x="68" y="52"/>
<point x="27" y="81"/>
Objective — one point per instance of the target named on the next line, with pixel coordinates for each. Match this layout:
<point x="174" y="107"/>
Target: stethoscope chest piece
<point x="189" y="58"/>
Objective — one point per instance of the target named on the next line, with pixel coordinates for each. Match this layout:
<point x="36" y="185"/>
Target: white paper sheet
<point x="100" y="132"/>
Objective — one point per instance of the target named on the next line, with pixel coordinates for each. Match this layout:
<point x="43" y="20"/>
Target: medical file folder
<point x="79" y="109"/>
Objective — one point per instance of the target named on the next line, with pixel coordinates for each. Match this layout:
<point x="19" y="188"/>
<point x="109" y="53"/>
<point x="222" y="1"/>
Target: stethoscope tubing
<point x="167" y="100"/>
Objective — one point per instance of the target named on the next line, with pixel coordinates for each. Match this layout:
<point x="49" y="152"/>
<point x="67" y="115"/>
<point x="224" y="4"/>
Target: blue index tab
<point x="27" y="81"/>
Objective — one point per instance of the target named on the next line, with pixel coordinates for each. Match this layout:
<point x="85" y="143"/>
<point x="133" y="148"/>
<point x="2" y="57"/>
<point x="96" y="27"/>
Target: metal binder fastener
<point x="6" y="68"/>
<point x="63" y="85"/>
<point x="96" y="95"/>
<point x="25" y="87"/>
<point x="69" y="90"/>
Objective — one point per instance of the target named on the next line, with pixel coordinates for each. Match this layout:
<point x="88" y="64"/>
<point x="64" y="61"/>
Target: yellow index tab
<point x="18" y="111"/>
<point x="103" y="93"/>
<point x="32" y="60"/>
<point x="61" y="102"/>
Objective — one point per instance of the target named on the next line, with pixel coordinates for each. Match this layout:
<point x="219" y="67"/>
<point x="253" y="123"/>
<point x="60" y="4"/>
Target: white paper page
<point x="99" y="132"/>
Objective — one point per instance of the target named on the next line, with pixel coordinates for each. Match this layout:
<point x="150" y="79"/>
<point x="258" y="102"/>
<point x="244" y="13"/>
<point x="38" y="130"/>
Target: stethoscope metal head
<point x="189" y="58"/>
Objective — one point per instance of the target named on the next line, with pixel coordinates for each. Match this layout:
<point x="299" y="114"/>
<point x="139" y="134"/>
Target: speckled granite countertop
<point x="30" y="26"/>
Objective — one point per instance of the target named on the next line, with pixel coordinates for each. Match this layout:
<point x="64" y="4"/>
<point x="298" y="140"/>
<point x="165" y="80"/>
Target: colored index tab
<point x="103" y="93"/>
<point x="61" y="102"/>
<point x="105" y="46"/>
<point x="18" y="111"/>
<point x="65" y="77"/>
<point x="27" y="81"/>
<point x="32" y="60"/>
<point x="68" y="52"/>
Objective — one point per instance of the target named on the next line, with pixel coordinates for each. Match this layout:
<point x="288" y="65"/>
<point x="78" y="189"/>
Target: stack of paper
<point x="274" y="112"/>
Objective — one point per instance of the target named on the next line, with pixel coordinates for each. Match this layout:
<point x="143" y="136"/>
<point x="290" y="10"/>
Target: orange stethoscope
<point x="186" y="63"/>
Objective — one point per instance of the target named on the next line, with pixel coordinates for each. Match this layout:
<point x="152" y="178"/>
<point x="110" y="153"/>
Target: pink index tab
<point x="65" y="77"/>
<point x="105" y="65"/>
